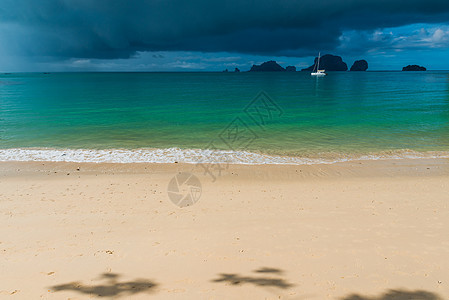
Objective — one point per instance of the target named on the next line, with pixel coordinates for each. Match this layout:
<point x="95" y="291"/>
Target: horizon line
<point x="204" y="71"/>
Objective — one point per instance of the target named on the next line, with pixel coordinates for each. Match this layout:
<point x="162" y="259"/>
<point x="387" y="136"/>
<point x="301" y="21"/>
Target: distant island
<point x="329" y="62"/>
<point x="414" y="68"/>
<point x="271" y="66"/>
<point x="268" y="66"/>
<point x="236" y="70"/>
<point x="359" y="65"/>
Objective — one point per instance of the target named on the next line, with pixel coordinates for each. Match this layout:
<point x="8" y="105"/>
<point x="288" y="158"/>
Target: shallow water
<point x="341" y="116"/>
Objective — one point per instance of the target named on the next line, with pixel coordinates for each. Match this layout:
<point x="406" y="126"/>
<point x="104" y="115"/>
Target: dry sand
<point x="375" y="229"/>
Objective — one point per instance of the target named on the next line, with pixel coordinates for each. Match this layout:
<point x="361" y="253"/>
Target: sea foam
<point x="193" y="156"/>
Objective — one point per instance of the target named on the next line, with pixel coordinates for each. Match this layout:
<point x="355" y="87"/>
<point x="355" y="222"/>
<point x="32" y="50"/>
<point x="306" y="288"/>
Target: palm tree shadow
<point x="236" y="279"/>
<point x="398" y="295"/>
<point x="111" y="288"/>
<point x="269" y="270"/>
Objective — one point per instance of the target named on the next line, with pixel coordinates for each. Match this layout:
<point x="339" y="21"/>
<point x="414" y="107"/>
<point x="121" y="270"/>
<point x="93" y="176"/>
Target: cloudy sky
<point x="208" y="35"/>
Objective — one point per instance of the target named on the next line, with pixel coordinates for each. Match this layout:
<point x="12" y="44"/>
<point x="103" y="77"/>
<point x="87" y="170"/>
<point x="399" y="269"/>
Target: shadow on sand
<point x="111" y="288"/>
<point x="398" y="295"/>
<point x="264" y="281"/>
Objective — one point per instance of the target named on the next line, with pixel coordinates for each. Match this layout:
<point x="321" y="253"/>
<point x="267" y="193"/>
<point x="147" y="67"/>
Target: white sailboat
<point x="316" y="69"/>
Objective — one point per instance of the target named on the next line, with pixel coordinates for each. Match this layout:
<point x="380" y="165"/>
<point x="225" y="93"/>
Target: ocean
<point x="251" y="118"/>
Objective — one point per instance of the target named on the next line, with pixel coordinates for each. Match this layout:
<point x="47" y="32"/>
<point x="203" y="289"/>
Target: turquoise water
<point x="343" y="113"/>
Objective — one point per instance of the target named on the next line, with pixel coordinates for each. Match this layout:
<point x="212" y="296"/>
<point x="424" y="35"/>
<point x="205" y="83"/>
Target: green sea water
<point x="344" y="113"/>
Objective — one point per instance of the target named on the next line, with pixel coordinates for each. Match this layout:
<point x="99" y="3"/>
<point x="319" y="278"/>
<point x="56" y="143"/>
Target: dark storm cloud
<point x="119" y="28"/>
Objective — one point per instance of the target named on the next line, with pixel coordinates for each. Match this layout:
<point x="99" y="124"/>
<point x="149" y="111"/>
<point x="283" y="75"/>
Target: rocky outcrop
<point x="237" y="70"/>
<point x="269" y="66"/>
<point x="414" y="68"/>
<point x="359" y="65"/>
<point x="290" y="69"/>
<point x="329" y="62"/>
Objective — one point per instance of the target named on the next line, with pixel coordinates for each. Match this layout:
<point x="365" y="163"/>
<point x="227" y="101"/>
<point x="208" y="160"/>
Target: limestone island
<point x="359" y="66"/>
<point x="329" y="62"/>
<point x="268" y="66"/>
<point x="414" y="68"/>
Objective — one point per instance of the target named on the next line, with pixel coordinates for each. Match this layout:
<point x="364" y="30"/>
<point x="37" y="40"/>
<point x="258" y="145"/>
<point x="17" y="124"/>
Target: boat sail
<point x="316" y="69"/>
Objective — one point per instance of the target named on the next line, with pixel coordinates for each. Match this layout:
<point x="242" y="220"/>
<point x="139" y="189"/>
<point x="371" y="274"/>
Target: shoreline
<point x="195" y="156"/>
<point x="354" y="229"/>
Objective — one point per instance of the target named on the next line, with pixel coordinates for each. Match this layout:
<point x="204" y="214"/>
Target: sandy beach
<point x="354" y="230"/>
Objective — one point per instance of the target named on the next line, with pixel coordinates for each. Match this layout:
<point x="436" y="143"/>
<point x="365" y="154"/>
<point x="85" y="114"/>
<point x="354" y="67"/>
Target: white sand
<point x="257" y="232"/>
